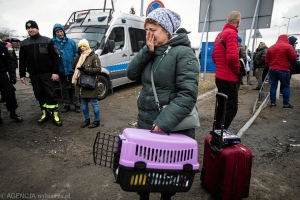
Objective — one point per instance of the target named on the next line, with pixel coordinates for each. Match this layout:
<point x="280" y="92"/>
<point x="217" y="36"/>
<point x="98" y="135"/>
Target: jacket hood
<point x="176" y="40"/>
<point x="58" y="26"/>
<point x="283" y="38"/>
<point x="292" y="40"/>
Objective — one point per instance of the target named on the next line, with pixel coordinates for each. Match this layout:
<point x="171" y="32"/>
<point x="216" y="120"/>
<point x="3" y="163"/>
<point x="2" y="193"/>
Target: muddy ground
<point x="48" y="162"/>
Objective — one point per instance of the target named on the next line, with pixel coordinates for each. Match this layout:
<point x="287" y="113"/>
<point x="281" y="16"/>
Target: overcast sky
<point x="14" y="14"/>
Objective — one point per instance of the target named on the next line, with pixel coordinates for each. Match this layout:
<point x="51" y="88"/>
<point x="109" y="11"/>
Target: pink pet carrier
<point x="145" y="161"/>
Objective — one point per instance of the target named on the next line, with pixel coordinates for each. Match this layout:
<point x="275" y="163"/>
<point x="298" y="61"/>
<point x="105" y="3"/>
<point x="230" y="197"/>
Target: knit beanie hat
<point x="84" y="43"/>
<point x="168" y="19"/>
<point x="31" y="24"/>
<point x="58" y="28"/>
<point x="240" y="39"/>
<point x="8" y="44"/>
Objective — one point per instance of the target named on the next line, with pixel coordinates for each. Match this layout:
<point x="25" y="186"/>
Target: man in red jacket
<point x="278" y="58"/>
<point x="226" y="57"/>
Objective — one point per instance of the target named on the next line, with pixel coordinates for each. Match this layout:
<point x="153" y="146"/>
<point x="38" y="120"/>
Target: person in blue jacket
<point x="67" y="50"/>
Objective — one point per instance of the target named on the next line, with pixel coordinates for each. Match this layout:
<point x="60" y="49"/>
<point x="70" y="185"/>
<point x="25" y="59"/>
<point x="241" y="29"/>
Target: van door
<point x="117" y="61"/>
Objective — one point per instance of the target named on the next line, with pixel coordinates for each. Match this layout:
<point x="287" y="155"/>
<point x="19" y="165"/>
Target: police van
<point x="115" y="37"/>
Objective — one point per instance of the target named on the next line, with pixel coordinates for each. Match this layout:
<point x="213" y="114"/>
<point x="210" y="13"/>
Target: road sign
<point x="257" y="34"/>
<point x="153" y="5"/>
<point x="218" y="13"/>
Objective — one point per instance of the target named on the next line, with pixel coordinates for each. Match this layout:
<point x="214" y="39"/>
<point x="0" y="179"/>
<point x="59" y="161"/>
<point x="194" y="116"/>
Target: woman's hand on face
<point x="150" y="40"/>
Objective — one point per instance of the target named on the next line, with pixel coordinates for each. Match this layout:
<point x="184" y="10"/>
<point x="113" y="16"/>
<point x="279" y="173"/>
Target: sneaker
<point x="289" y="106"/>
<point x="273" y="105"/>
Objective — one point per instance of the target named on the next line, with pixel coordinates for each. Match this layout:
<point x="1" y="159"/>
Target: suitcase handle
<point x="218" y="139"/>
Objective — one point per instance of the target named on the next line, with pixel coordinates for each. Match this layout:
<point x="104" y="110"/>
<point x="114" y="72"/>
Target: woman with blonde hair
<point x="88" y="62"/>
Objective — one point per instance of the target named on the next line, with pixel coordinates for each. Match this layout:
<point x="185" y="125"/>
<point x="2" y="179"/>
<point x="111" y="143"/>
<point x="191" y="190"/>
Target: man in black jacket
<point x="6" y="87"/>
<point x="40" y="59"/>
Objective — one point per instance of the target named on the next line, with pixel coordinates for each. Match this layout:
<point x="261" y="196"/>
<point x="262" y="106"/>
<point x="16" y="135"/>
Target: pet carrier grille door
<point x="107" y="149"/>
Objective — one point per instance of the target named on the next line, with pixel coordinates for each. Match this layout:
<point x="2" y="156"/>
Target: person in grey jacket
<point x="259" y="63"/>
<point x="176" y="75"/>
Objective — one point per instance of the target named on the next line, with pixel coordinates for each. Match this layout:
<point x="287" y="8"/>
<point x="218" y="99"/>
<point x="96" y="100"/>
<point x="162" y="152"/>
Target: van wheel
<point x="103" y="87"/>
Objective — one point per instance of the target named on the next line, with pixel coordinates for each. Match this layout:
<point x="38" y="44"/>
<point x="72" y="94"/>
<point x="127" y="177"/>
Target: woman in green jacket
<point x="176" y="75"/>
<point x="89" y="63"/>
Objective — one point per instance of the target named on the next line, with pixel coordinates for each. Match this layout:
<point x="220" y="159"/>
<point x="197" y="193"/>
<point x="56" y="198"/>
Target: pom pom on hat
<point x="168" y="19"/>
<point x="240" y="39"/>
<point x="84" y="43"/>
<point x="8" y="44"/>
<point x="31" y="24"/>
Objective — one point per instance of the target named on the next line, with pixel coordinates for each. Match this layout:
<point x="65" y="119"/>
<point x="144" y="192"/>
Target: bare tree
<point x="6" y="33"/>
<point x="132" y="10"/>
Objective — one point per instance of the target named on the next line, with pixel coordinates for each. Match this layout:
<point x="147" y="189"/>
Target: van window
<point x="118" y="35"/>
<point x="137" y="38"/>
<point x="93" y="34"/>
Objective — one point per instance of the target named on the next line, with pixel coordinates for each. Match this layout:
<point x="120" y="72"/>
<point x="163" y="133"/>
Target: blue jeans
<point x="85" y="108"/>
<point x="284" y="78"/>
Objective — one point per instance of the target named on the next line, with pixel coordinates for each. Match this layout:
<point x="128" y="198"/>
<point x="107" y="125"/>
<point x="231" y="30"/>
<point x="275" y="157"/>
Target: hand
<point x="156" y="128"/>
<point x="150" y="41"/>
<point x="23" y="80"/>
<point x="54" y="77"/>
<point x="12" y="79"/>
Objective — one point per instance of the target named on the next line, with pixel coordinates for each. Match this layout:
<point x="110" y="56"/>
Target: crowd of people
<point x="46" y="61"/>
<point x="274" y="63"/>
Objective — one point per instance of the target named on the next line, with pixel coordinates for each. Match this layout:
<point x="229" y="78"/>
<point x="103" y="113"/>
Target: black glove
<point x="81" y="69"/>
<point x="12" y="79"/>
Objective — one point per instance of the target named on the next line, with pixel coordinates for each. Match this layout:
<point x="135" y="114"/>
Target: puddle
<point x="269" y="155"/>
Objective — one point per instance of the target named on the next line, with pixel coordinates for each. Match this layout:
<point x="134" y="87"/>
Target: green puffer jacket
<point x="176" y="82"/>
<point x="92" y="66"/>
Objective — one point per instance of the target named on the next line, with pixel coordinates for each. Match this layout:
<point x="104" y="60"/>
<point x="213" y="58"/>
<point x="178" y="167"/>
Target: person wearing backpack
<point x="226" y="57"/>
<point x="67" y="50"/>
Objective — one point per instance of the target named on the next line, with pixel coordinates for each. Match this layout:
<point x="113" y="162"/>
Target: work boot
<point x="45" y="117"/>
<point x="85" y="123"/>
<point x="77" y="108"/>
<point x="66" y="108"/>
<point x="15" y="117"/>
<point x="55" y="118"/>
<point x="94" y="124"/>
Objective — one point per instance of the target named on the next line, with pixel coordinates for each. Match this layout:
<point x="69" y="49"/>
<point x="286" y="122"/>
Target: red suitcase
<point x="226" y="170"/>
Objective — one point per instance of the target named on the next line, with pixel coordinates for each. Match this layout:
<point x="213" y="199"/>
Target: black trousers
<point x="8" y="92"/>
<point x="63" y="80"/>
<point x="231" y="90"/>
<point x="44" y="88"/>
